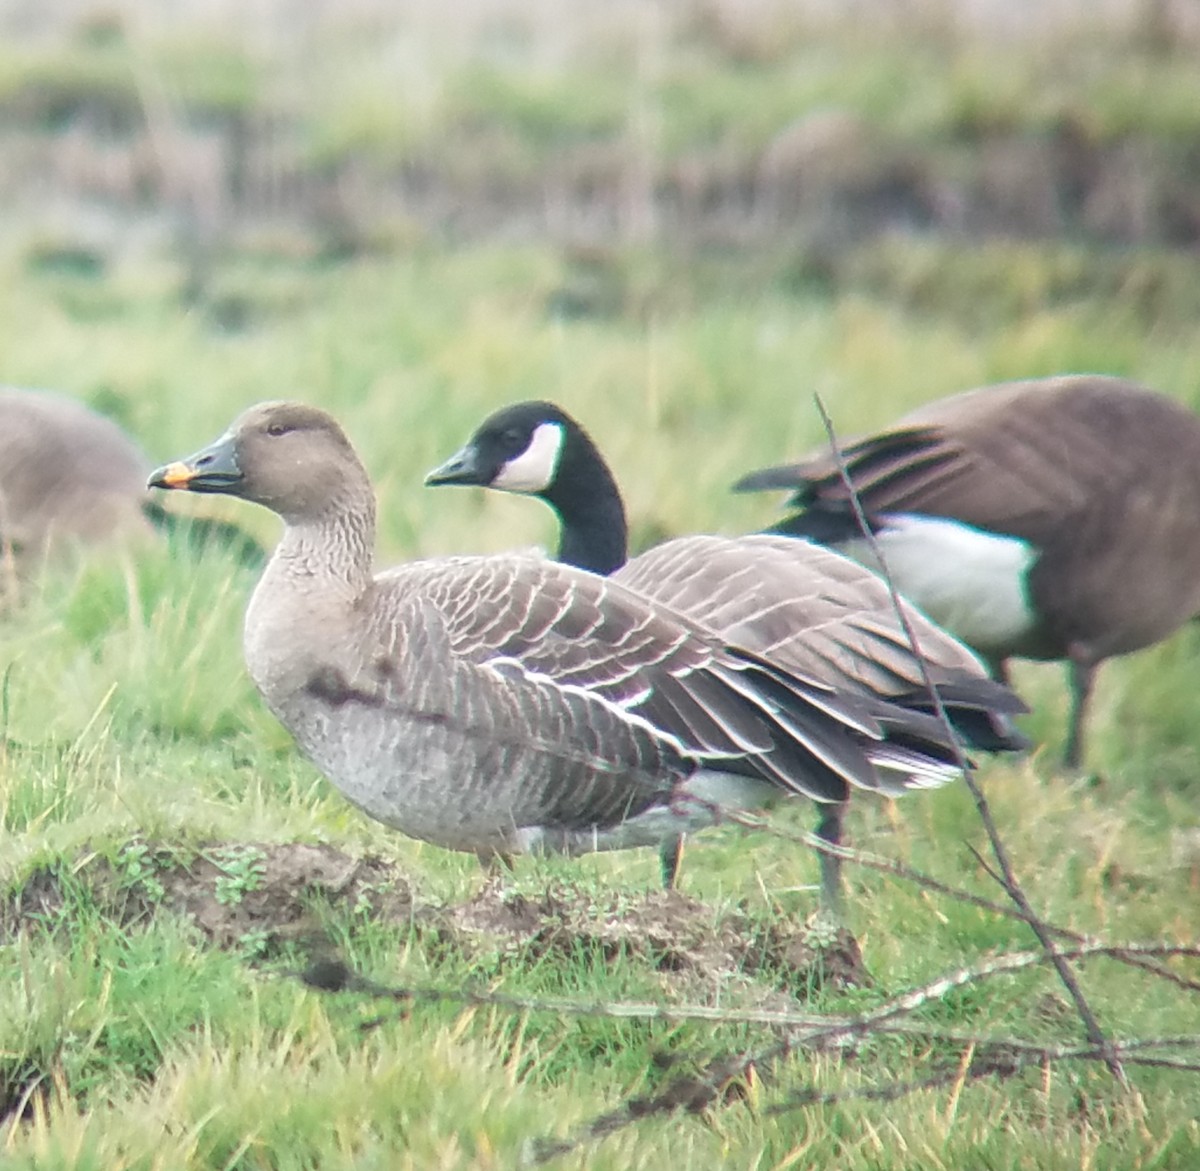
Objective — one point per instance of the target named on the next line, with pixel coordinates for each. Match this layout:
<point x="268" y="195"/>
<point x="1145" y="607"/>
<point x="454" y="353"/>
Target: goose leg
<point x="1082" y="669"/>
<point x="494" y="863"/>
<point x="998" y="670"/>
<point x="829" y="828"/>
<point x="670" y="855"/>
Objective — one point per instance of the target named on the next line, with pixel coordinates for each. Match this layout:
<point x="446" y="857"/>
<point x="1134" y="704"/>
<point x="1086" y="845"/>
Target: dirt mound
<point x="669" y="931"/>
<point x="259" y="896"/>
<point x="237" y="893"/>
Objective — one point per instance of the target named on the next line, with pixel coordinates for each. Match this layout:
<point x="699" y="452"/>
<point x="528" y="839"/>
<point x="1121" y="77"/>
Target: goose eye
<point x="276" y="429"/>
<point x="513" y="438"/>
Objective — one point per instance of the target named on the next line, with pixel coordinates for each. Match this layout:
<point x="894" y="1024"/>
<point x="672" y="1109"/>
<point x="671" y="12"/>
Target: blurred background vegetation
<point x="801" y="132"/>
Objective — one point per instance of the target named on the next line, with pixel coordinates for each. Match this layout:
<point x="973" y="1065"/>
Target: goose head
<point x="290" y="457"/>
<point x="537" y="449"/>
<point x="517" y="449"/>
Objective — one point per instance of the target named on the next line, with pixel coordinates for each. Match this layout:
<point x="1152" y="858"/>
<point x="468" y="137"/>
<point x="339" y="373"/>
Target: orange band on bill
<point x="177" y="475"/>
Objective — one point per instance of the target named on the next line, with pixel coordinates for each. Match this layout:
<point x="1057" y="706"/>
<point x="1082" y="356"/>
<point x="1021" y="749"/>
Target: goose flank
<point x="1054" y="519"/>
<point x="510" y="704"/>
<point x="814" y="611"/>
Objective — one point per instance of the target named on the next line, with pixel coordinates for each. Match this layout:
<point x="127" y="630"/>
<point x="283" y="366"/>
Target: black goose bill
<point x="212" y="469"/>
<point x="463" y="467"/>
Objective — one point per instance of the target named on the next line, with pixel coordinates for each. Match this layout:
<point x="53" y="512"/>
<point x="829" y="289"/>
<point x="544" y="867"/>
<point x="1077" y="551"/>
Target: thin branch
<point x="695" y="1094"/>
<point x="334" y="976"/>
<point x="1033" y="1055"/>
<point x="901" y="870"/>
<point x="1009" y="879"/>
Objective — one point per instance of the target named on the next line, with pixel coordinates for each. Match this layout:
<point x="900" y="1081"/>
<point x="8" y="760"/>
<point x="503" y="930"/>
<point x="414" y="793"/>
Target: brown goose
<point x="70" y="476"/>
<point x="1057" y="518"/>
<point x="67" y="475"/>
<point x="809" y="609"/>
<point x="511" y="704"/>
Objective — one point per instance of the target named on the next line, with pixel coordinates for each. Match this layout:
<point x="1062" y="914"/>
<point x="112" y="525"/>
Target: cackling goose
<point x="811" y="610"/>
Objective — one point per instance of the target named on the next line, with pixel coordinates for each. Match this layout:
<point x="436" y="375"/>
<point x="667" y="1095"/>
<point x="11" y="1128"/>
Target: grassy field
<point x="169" y="863"/>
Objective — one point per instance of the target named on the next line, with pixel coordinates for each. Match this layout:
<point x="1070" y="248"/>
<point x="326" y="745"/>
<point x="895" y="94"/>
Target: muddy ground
<point x="264" y="899"/>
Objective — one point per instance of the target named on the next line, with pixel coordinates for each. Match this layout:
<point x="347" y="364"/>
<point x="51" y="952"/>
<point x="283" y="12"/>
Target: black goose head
<point x="537" y="449"/>
<point x="517" y="449"/>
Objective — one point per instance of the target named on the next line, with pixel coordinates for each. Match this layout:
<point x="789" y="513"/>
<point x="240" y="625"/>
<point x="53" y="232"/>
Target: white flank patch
<point x="969" y="581"/>
<point x="534" y="469"/>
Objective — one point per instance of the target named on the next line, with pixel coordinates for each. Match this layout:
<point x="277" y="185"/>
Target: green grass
<point x="150" y="927"/>
<point x="135" y="1040"/>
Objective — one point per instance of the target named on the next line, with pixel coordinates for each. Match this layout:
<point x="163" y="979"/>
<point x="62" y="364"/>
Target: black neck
<point x="594" y="533"/>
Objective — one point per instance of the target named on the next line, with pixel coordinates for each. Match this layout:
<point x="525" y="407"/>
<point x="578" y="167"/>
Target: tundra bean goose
<point x="508" y="704"/>
<point x="812" y="610"/>
<point x="1056" y="518"/>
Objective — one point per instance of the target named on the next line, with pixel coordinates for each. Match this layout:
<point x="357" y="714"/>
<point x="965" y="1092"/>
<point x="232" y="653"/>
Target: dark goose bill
<point x="461" y="468"/>
<point x="212" y="469"/>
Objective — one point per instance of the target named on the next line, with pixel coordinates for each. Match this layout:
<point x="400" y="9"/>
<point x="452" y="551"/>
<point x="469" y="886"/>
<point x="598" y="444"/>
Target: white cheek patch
<point x="967" y="580"/>
<point x="535" y="468"/>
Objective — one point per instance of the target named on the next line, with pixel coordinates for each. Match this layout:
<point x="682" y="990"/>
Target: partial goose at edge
<point x="1054" y="518"/>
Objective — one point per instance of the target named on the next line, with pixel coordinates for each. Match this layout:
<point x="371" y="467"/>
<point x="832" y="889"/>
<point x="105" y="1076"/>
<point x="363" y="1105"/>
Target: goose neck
<point x="337" y="545"/>
<point x="594" y="530"/>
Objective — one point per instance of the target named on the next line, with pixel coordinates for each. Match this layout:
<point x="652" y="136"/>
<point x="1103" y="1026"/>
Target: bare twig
<point x="1008" y="878"/>
<point x="334" y="976"/>
<point x="902" y="870"/>
<point x="697" y="1093"/>
<point x="1128" y="1051"/>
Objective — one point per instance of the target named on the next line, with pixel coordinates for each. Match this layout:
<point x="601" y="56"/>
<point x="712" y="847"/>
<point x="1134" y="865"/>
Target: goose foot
<point x="670" y="856"/>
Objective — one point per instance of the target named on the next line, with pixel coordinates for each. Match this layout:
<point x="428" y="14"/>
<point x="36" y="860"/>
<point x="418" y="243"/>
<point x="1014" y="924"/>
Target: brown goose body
<point x="67" y="475"/>
<point x="506" y="704"/>
<point x="1074" y="517"/>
